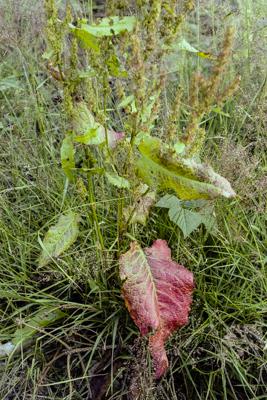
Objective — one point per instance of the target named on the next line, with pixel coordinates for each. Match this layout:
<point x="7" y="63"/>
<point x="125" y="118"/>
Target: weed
<point x="92" y="351"/>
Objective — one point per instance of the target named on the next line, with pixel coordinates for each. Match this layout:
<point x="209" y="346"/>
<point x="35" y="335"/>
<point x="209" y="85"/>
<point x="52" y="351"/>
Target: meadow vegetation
<point x="74" y="338"/>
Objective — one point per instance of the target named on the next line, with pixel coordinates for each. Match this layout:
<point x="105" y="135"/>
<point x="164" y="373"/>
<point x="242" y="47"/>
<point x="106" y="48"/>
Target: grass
<point x="95" y="352"/>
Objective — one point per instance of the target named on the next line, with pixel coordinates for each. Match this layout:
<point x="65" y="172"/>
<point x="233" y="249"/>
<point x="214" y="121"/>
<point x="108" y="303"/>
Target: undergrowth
<point x="94" y="351"/>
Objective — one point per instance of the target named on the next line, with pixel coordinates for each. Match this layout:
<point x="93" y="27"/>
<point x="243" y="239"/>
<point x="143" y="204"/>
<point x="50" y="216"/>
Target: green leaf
<point x="126" y="101"/>
<point x="184" y="45"/>
<point x="179" y="147"/>
<point x="88" y="40"/>
<point x="219" y="111"/>
<point x="83" y="119"/>
<point x="59" y="237"/>
<point x="89" y="131"/>
<point x="67" y="153"/>
<point x="109" y="26"/>
<point x="46" y="316"/>
<point x="187" y="220"/>
<point x="113" y="65"/>
<point x="161" y="168"/>
<point x="184" y="218"/>
<point x="118" y="181"/>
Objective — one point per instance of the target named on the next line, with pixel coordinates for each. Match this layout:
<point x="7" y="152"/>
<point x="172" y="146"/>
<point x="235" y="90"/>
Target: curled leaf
<point x="161" y="168"/>
<point x="158" y="295"/>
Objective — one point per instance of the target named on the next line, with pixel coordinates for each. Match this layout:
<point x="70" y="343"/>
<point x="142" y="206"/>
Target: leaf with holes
<point x="158" y="294"/>
<point x="59" y="237"/>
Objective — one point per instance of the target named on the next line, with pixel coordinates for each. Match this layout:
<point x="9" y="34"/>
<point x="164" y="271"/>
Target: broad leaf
<point x="157" y="293"/>
<point x="59" y="237"/>
<point x="67" y="153"/>
<point x="186" y="219"/>
<point x="109" y="26"/>
<point x="161" y="168"/>
<point x="118" y="181"/>
<point x="88" y="40"/>
<point x="90" y="132"/>
<point x="173" y="59"/>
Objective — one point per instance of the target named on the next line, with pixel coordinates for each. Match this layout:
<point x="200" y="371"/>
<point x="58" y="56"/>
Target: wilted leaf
<point x="109" y="26"/>
<point x="183" y="217"/>
<point x="118" y="181"/>
<point x="67" y="153"/>
<point x="59" y="237"/>
<point x="144" y="200"/>
<point x="157" y="293"/>
<point x="161" y="168"/>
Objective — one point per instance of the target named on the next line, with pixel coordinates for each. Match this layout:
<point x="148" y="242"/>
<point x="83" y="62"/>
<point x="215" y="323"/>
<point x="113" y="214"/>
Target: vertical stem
<point x="95" y="217"/>
<point x="90" y="9"/>
<point x="120" y="226"/>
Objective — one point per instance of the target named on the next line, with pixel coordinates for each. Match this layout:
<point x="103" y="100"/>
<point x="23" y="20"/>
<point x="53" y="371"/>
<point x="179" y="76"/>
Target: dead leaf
<point x="158" y="295"/>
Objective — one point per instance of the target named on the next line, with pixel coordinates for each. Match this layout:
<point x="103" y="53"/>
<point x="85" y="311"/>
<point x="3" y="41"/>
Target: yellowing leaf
<point x="161" y="168"/>
<point x="59" y="237"/>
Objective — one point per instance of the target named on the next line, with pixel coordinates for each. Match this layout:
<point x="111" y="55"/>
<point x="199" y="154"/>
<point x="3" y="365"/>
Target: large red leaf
<point x="157" y="293"/>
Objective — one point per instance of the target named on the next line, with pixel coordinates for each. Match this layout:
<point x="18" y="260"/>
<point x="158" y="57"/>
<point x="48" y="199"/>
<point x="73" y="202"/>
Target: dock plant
<point x="113" y="76"/>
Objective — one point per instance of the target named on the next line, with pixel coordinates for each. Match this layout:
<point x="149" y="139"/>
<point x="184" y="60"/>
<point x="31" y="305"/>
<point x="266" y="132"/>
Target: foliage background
<point x="96" y="349"/>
